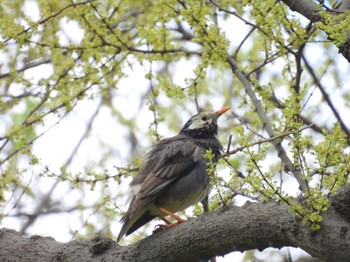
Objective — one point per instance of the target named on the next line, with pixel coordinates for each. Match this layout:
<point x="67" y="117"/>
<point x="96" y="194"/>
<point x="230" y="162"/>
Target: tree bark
<point x="231" y="228"/>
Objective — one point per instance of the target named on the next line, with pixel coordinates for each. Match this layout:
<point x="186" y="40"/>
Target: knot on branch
<point x="99" y="244"/>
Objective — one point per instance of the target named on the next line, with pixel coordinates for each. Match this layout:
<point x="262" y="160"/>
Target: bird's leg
<point x="168" y="223"/>
<point x="166" y="220"/>
<point x="169" y="213"/>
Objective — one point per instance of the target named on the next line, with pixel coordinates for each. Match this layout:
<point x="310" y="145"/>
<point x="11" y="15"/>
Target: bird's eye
<point x="204" y="118"/>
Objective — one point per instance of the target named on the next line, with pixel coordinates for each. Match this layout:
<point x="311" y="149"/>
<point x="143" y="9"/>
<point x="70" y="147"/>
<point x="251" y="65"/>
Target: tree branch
<point x="269" y="140"/>
<point x="231" y="228"/>
<point x="306" y="8"/>
<point x="326" y="97"/>
<point x="345" y="5"/>
<point x="341" y="202"/>
<point x="282" y="154"/>
<point x="312" y="11"/>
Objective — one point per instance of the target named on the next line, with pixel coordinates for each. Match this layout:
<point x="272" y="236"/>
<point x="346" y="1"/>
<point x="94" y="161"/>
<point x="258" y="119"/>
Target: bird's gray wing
<point x="168" y="161"/>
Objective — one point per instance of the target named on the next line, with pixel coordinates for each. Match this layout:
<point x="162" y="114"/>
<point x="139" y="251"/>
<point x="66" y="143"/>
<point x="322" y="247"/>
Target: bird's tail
<point x="132" y="222"/>
<point x="126" y="225"/>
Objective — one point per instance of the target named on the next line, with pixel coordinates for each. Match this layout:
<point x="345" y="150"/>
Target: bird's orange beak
<point x="221" y="111"/>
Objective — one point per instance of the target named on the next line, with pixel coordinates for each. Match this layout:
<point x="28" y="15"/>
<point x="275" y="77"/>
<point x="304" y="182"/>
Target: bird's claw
<point x="160" y="228"/>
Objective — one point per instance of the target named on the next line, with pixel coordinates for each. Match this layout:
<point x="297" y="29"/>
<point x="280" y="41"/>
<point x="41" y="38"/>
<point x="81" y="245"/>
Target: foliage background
<point x="87" y="86"/>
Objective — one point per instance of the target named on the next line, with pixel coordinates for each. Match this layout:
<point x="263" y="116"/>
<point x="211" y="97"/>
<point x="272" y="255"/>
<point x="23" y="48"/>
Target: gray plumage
<point x="174" y="174"/>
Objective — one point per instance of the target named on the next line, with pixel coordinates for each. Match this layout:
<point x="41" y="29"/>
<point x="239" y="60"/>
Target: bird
<point x="174" y="174"/>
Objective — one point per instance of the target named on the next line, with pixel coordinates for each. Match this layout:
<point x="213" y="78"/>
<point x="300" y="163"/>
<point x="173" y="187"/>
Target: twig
<point x="229" y="144"/>
<point x="271" y="139"/>
<point x="50" y="17"/>
<point x="195" y="94"/>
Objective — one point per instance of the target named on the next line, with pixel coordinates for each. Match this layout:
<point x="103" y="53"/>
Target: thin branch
<point x="269" y="140"/>
<point x="27" y="66"/>
<point x="195" y="94"/>
<point x="50" y="17"/>
<point x="326" y="97"/>
<point x="107" y="177"/>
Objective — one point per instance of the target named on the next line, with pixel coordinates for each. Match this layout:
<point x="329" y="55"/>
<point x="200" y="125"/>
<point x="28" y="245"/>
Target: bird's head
<point x="203" y="125"/>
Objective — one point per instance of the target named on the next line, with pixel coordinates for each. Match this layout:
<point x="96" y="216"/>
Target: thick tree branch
<point x="306" y="8"/>
<point x="345" y="5"/>
<point x="253" y="226"/>
<point x="341" y="202"/>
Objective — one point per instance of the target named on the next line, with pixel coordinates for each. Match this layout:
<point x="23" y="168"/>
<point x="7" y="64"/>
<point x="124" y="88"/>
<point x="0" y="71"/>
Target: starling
<point x="174" y="174"/>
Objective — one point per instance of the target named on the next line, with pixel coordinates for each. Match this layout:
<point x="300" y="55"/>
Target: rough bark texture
<point x="341" y="202"/>
<point x="253" y="226"/>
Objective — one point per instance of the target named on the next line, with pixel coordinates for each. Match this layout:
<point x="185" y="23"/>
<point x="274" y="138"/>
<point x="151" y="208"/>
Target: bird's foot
<point x="163" y="227"/>
<point x="168" y="224"/>
<point x="159" y="228"/>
